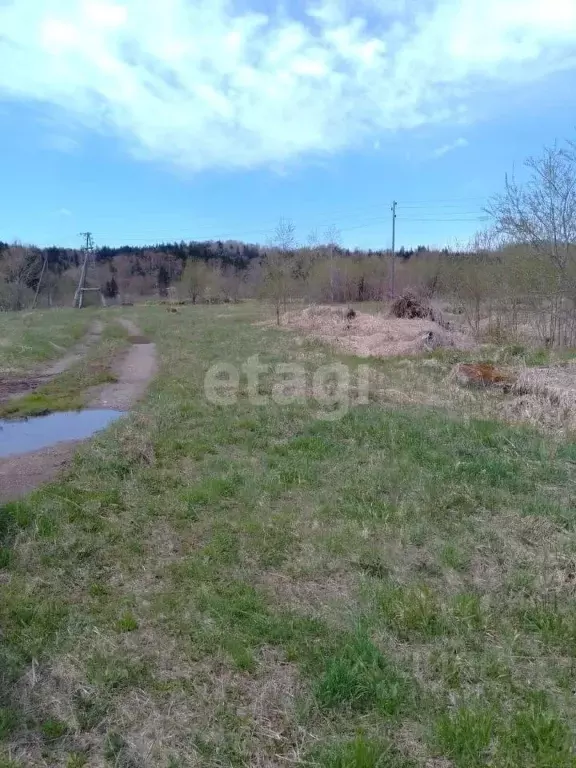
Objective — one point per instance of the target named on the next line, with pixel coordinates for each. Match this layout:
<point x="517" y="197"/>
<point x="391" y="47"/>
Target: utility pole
<point x="86" y="251"/>
<point x="393" y="271"/>
<point x="39" y="285"/>
<point x="88" y="256"/>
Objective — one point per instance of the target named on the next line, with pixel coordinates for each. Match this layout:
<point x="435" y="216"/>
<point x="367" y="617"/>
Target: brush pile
<point x="409" y="307"/>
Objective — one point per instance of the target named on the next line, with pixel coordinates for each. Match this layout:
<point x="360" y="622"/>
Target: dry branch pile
<point x="409" y="306"/>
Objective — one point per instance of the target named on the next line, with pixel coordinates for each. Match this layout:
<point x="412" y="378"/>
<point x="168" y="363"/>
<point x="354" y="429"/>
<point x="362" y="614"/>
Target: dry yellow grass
<point x="378" y="335"/>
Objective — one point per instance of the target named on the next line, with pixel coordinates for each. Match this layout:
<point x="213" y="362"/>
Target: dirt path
<point x="13" y="388"/>
<point x="77" y="353"/>
<point x="23" y="473"/>
<point x="133" y="373"/>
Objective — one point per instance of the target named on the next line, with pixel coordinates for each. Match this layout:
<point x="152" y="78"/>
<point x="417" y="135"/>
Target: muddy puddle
<point x="27" y="435"/>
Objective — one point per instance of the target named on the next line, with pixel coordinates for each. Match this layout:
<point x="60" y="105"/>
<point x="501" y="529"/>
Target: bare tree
<point x="195" y="279"/>
<point x="541" y="216"/>
<point x="332" y="236"/>
<point x="541" y="213"/>
<point x="20" y="269"/>
<point x="313" y="240"/>
<point x="285" y="235"/>
<point x="277" y="274"/>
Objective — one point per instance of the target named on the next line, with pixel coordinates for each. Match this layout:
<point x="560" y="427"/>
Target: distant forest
<point x="211" y="270"/>
<point x="231" y="253"/>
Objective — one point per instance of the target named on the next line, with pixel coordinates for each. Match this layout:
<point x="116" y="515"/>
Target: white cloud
<point x="64" y="212"/>
<point x="106" y="14"/>
<point x="209" y="83"/>
<point x="446" y="148"/>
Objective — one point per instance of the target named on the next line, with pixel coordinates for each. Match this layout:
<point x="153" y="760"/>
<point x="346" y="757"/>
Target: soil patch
<point x="21" y="474"/>
<point x="375" y="335"/>
<point x="14" y="387"/>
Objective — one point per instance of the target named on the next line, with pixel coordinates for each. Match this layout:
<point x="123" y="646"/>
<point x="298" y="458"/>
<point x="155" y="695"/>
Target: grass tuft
<point x="359" y="677"/>
<point x="361" y="752"/>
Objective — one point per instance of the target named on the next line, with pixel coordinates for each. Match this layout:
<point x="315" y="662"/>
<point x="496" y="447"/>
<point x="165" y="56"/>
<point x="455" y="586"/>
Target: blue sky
<point x="144" y="121"/>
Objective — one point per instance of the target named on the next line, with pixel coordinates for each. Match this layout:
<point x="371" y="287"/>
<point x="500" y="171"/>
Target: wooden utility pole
<point x="393" y="270"/>
<point x="88" y="252"/>
<point x="39" y="285"/>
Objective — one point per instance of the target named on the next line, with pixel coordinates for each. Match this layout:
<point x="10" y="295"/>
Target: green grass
<point x="361" y="679"/>
<point x="359" y="753"/>
<point x="9" y="721"/>
<point x="53" y="729"/>
<point x="68" y="391"/>
<point x="28" y="338"/>
<point x="255" y="585"/>
<point x="485" y="735"/>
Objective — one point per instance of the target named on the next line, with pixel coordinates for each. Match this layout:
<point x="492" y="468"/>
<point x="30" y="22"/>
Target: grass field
<point x="257" y="585"/>
<point x="70" y="390"/>
<point x="29" y="338"/>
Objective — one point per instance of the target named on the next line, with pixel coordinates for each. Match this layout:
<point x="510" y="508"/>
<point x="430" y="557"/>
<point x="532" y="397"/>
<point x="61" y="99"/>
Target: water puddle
<point x="26" y="435"/>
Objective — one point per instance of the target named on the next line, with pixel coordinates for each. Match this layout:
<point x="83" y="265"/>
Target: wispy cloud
<point x="446" y="148"/>
<point x="211" y="83"/>
<point x="64" y="212"/>
<point x="61" y="143"/>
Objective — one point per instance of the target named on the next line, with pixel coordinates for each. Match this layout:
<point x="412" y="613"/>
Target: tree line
<point x="131" y="272"/>
<point x="521" y="270"/>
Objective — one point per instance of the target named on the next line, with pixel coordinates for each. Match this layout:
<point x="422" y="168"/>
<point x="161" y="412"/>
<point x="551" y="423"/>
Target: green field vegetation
<point x="29" y="338"/>
<point x="70" y="390"/>
<point x="253" y="585"/>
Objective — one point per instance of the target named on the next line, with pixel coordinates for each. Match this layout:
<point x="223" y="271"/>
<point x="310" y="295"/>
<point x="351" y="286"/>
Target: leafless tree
<point x="333" y="238"/>
<point x="541" y="216"/>
<point x="20" y="268"/>
<point x="277" y="275"/>
<point x="194" y="280"/>
<point x="542" y="213"/>
<point x="285" y="235"/>
<point x="313" y="240"/>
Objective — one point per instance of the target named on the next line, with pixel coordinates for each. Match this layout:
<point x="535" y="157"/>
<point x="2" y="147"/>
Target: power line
<point x="327" y="218"/>
<point x="236" y="235"/>
<point x="448" y="201"/>
<point x="186" y="237"/>
<point x="446" y="214"/>
<point x="176" y="233"/>
<point x="433" y="212"/>
<point x="444" y="208"/>
<point x="208" y="221"/>
<point x="433" y="220"/>
<point x="455" y="203"/>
